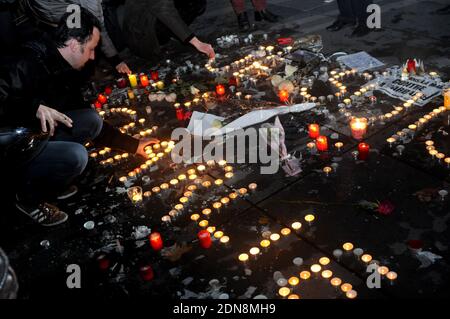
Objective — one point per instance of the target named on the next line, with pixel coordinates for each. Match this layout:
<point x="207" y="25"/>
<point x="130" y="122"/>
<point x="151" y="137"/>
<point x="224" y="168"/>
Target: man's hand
<point x="203" y="47"/>
<point x="143" y="144"/>
<point x="122" y="67"/>
<point x="51" y="117"/>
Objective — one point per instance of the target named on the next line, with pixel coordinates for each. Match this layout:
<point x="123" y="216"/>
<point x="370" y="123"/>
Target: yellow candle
<point x="218" y="234"/>
<point x="265" y="243"/>
<point x="133" y="80"/>
<point x="293" y="281"/>
<point x="243" y="257"/>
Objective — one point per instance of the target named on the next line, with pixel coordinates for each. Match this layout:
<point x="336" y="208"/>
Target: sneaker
<point x="44" y="214"/>
<point x="72" y="190"/>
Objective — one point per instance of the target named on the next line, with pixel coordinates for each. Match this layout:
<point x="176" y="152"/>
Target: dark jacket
<point x="140" y="24"/>
<point x="40" y="75"/>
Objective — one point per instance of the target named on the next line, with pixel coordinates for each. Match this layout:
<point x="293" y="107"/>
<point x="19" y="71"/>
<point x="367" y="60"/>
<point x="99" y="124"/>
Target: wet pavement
<point x="389" y="206"/>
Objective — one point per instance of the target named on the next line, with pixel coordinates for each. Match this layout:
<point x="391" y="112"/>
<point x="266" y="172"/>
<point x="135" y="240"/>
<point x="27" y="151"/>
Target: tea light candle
<point x="206" y="184"/>
<point x="218" y="182"/>
<point x="254" y="251"/>
<point x="184" y="200"/>
<point x="218" y="234"/>
<point x="217" y="205"/>
<point x="203" y="223"/>
<point x="293" y="296"/>
<point x="314" y="131"/>
<point x="275" y="237"/>
<point x="192" y="177"/>
<point x="383" y="270"/>
<point x="174" y="182"/>
<point x="233" y="195"/>
<point x="242" y="191"/>
<point x="305" y="275"/>
<point x="229" y="175"/>
<point x="179" y="207"/>
<point x="285" y="231"/>
<point x="156" y="189"/>
<point x="310" y="218"/>
<point x="336" y="282"/>
<point x="284" y="291"/>
<point x="392" y="275"/>
<point x="327" y="274"/>
<point x="201" y="168"/>
<point x="339" y="145"/>
<point x="228" y="168"/>
<point x="243" y="257"/>
<point x="293" y="281"/>
<point x="265" y="243"/>
<point x="327" y="170"/>
<point x="351" y="294"/>
<point x="347" y="247"/>
<point x="164" y="186"/>
<point x="316" y="268"/>
<point x="123" y="179"/>
<point x="252" y="186"/>
<point x="324" y="261"/>
<point x="225" y="239"/>
<point x="346" y="287"/>
<point x="296" y="225"/>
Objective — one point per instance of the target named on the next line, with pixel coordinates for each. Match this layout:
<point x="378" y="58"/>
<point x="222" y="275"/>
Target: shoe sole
<point x="66" y="196"/>
<point x="45" y="225"/>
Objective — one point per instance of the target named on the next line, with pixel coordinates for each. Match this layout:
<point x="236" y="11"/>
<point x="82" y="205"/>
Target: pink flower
<point x="385" y="207"/>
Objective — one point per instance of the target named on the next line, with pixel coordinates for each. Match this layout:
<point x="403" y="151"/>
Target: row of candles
<point x="412" y="128"/>
<point x="269" y="237"/>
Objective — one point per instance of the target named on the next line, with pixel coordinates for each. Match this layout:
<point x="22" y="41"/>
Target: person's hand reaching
<point x="143" y="143"/>
<point x="123" y="68"/>
<point x="203" y="48"/>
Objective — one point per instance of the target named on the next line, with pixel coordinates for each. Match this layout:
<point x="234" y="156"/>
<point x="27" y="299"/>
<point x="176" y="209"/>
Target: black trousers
<point x="353" y="10"/>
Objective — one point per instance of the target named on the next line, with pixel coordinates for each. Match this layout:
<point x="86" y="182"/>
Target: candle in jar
<point x="283" y="95"/>
<point x="204" y="238"/>
<point x="144" y="80"/>
<point x="133" y="80"/>
<point x="314" y="131"/>
<point x="363" y="151"/>
<point x="322" y="143"/>
<point x="358" y="127"/>
<point x="156" y="241"/>
<point x="220" y="90"/>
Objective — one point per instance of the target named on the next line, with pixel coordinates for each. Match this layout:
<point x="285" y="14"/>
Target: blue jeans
<point x="62" y="160"/>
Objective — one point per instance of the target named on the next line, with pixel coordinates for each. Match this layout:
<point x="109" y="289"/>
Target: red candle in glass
<point x="103" y="262"/>
<point x="220" y="89"/>
<point x="283" y="95"/>
<point x="147" y="273"/>
<point x="180" y="114"/>
<point x="156" y="241"/>
<point x="322" y="143"/>
<point x="154" y="75"/>
<point x="205" y="239"/>
<point x="363" y="149"/>
<point x="144" y="80"/>
<point x="98" y="105"/>
<point x="314" y="131"/>
<point x="102" y="99"/>
<point x="121" y="83"/>
<point x="108" y="90"/>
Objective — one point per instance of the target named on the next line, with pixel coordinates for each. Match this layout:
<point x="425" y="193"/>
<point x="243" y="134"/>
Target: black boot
<point x="244" y="24"/>
<point x="360" y="31"/>
<point x="338" y="25"/>
<point x="265" y="15"/>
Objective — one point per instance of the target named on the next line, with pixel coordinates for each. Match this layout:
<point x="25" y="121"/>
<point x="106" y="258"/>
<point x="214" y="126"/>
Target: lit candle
<point x="392" y="275"/>
<point x="327" y="274"/>
<point x="220" y="90"/>
<point x="218" y="234"/>
<point x="314" y="131"/>
<point x="351" y="294"/>
<point x="296" y="225"/>
<point x="336" y="282"/>
<point x="293" y="281"/>
<point x="205" y="239"/>
<point x="339" y="145"/>
<point x="225" y="239"/>
<point x="358" y="127"/>
<point x="347" y="247"/>
<point x="324" y="261"/>
<point x="275" y="237"/>
<point x="322" y="143"/>
<point x="203" y="223"/>
<point x="284" y="291"/>
<point x="243" y="257"/>
<point x="144" y="80"/>
<point x="252" y="186"/>
<point x="346" y="287"/>
<point x="294" y="296"/>
<point x="265" y="243"/>
<point x="305" y="275"/>
<point x="363" y="149"/>
<point x="133" y="80"/>
<point x="254" y="251"/>
<point x="316" y="268"/>
<point x="156" y="241"/>
<point x="309" y="218"/>
<point x="283" y="95"/>
<point x="102" y="99"/>
<point x="383" y="270"/>
<point x="285" y="231"/>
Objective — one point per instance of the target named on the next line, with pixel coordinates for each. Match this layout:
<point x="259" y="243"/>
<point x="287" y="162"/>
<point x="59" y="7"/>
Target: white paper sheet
<point x="362" y="61"/>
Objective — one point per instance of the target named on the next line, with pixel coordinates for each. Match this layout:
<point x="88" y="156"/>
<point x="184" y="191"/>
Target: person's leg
<point x="239" y="9"/>
<point x="346" y="16"/>
<point x="238" y="6"/>
<point x="51" y="171"/>
<point x="259" y="5"/>
<point x="87" y="125"/>
<point x="361" y="14"/>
